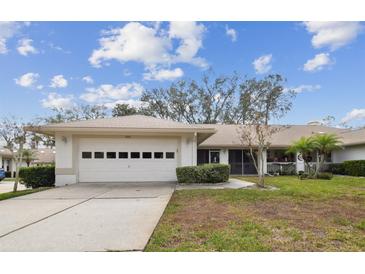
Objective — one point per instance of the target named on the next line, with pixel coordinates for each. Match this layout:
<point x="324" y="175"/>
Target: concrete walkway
<point x="231" y="184"/>
<point x="84" y="217"/>
<point x="8" y="186"/>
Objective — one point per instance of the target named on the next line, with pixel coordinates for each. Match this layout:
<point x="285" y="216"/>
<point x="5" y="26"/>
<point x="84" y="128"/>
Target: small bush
<point x="354" y="168"/>
<point x="38" y="176"/>
<point x="203" y="174"/>
<point x="325" y="176"/>
<point x="338" y="169"/>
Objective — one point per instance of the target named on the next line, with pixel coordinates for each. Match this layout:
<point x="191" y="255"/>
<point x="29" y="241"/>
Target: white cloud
<point x="355" y="114"/>
<point x="191" y="40"/>
<point x="108" y="94"/>
<point x="7" y="31"/>
<point x="57" y="101"/>
<point x="319" y="62"/>
<point x="58" y="48"/>
<point x="133" y="42"/>
<point x="333" y="34"/>
<point x="163" y="74"/>
<point x="231" y="33"/>
<point x="306" y="88"/>
<point x="27" y="80"/>
<point x="263" y="64"/>
<point x="151" y="45"/>
<point x="25" y="47"/>
<point x="58" y="81"/>
<point x="88" y="79"/>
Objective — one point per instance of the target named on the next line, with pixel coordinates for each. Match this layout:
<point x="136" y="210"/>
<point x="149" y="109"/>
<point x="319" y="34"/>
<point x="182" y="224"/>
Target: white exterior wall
<point x="188" y="148"/>
<point x="65" y="170"/>
<point x="349" y="153"/>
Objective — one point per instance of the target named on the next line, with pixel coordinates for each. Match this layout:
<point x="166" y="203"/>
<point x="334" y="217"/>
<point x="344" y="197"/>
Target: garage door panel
<point x="125" y="170"/>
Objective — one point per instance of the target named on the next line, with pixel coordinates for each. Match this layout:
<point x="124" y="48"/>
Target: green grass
<point x="308" y="215"/>
<point x="8" y="195"/>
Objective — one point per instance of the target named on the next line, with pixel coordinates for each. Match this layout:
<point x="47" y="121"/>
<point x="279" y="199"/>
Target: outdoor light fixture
<point x="64" y="139"/>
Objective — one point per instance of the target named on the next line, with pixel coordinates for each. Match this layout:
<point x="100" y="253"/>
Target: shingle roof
<point x="228" y="135"/>
<point x="41" y="155"/>
<point x="130" y="121"/>
<point x="44" y="155"/>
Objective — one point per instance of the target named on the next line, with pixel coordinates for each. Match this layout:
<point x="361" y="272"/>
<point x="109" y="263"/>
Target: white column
<point x="194" y="149"/>
<point x="65" y="170"/>
<point x="299" y="162"/>
<point x="1" y="161"/>
<point x="224" y="156"/>
<point x="265" y="161"/>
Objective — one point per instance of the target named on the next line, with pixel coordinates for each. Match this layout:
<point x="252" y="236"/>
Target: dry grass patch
<point x="294" y="218"/>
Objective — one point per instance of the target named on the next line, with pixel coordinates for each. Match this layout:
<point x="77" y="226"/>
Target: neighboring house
<point x="140" y="148"/>
<point x="42" y="156"/>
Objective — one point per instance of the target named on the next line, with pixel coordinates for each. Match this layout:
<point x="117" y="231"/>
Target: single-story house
<point x="42" y="156"/>
<point x="140" y="148"/>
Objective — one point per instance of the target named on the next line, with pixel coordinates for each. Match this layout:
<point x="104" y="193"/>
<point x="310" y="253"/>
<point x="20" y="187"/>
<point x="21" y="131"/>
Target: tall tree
<point x="81" y="112"/>
<point x="13" y="134"/>
<point x="261" y="101"/>
<point x="208" y="101"/>
<point x="124" y="110"/>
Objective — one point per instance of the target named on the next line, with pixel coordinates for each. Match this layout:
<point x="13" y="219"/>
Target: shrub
<point x="325" y="176"/>
<point x="354" y="168"/>
<point x="38" y="176"/>
<point x="7" y="174"/>
<point x="337" y="168"/>
<point x="203" y="174"/>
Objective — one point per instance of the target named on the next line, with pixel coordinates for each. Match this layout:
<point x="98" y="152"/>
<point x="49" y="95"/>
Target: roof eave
<point x="52" y="130"/>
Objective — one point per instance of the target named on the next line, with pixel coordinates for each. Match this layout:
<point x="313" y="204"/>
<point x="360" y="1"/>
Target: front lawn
<point x="308" y="215"/>
<point x="8" y="195"/>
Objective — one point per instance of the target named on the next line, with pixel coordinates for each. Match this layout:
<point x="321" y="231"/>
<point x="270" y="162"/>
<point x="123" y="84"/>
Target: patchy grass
<point x="308" y="215"/>
<point x="8" y="195"/>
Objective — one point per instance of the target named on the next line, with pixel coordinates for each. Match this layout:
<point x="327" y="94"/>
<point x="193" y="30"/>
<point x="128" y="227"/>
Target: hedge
<point x="354" y="168"/>
<point x="338" y="169"/>
<point x="38" y="176"/>
<point x="203" y="174"/>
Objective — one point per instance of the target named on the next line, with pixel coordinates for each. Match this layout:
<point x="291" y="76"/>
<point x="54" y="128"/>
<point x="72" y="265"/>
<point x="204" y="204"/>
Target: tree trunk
<point x="260" y="168"/>
<point x="319" y="165"/>
<point x="18" y="163"/>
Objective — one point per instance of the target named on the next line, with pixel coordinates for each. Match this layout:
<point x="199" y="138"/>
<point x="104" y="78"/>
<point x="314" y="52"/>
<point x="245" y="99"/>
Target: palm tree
<point x="28" y="156"/>
<point x="305" y="146"/>
<point x="325" y="144"/>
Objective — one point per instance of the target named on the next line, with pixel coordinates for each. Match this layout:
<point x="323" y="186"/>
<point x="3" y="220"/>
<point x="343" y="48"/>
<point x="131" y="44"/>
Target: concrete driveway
<point x="84" y="217"/>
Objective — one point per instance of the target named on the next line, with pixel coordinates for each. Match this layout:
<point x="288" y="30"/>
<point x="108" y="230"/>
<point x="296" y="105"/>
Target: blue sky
<point x="59" y="64"/>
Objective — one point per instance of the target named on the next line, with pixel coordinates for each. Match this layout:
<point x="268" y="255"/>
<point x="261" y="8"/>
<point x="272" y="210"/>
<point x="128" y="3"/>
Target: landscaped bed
<point x="308" y="215"/>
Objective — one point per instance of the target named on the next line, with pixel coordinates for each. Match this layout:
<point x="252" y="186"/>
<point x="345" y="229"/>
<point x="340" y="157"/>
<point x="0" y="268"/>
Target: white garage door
<point x="127" y="159"/>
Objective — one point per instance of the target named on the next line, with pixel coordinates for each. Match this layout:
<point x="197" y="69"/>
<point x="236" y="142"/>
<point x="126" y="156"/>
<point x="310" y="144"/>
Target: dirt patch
<point x="310" y="214"/>
<point x="203" y="212"/>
